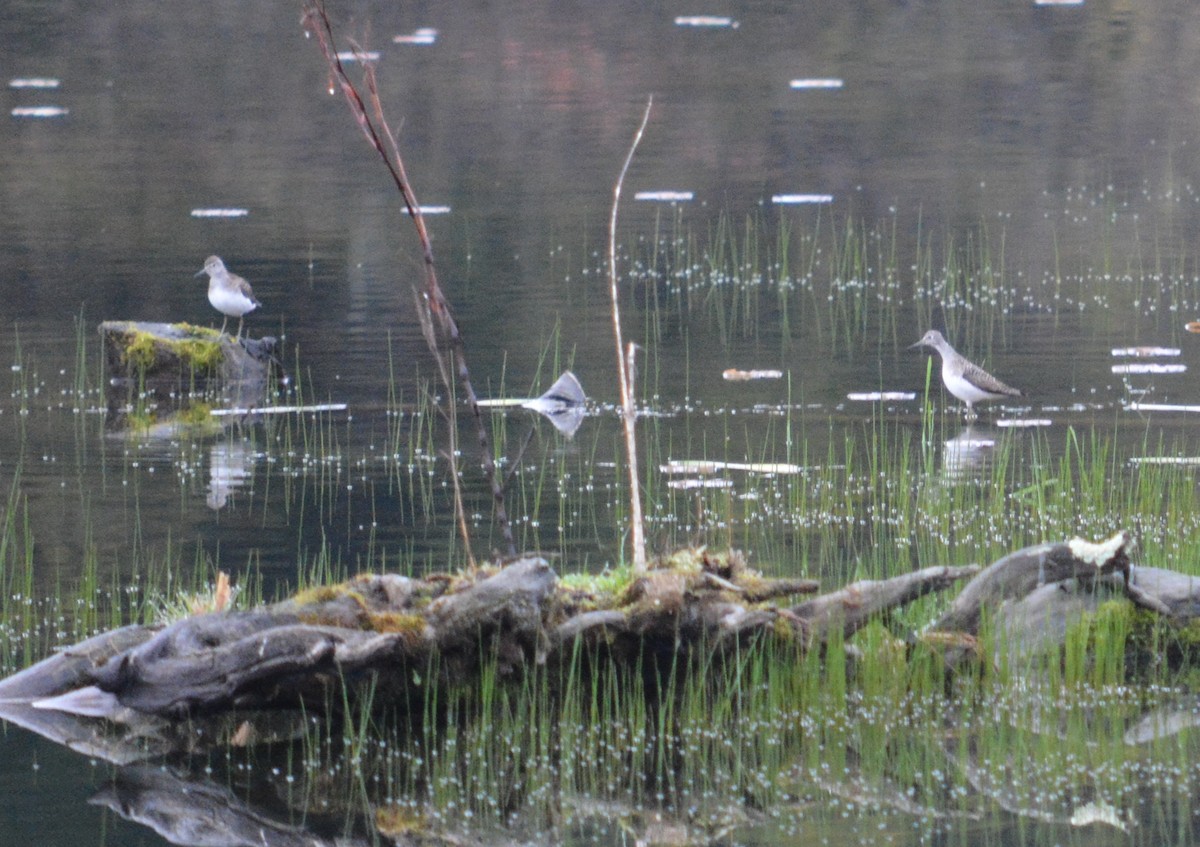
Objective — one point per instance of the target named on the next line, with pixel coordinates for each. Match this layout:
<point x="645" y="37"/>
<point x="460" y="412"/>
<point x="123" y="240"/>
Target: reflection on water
<point x="966" y="456"/>
<point x="230" y="463"/>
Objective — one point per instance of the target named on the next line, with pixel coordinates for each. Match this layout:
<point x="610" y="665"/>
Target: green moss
<point x="195" y="414"/>
<point x="399" y="821"/>
<point x="610" y="583"/>
<point x="140" y="422"/>
<point x="201" y="351"/>
<point x="320" y="594"/>
<point x="411" y="627"/>
<point x="141" y="349"/>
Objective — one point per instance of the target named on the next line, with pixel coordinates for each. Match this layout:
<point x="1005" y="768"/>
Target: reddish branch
<point x="379" y="135"/>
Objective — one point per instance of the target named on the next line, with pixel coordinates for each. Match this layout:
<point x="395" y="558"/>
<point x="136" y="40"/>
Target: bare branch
<point x="625" y="364"/>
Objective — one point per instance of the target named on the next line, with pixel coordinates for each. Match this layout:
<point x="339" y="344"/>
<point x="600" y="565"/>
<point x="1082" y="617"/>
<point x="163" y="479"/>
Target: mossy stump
<point x="152" y="366"/>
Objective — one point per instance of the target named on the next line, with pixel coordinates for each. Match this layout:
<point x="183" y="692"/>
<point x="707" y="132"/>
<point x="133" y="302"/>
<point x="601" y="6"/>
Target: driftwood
<point x="1017" y="575"/>
<point x="303" y="651"/>
<point x="383" y="631"/>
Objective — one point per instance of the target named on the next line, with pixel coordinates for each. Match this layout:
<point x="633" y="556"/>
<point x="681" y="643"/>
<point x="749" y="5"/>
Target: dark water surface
<point x="1049" y="149"/>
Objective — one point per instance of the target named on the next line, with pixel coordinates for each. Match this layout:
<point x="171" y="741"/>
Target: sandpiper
<point x="229" y="293"/>
<point x="965" y="380"/>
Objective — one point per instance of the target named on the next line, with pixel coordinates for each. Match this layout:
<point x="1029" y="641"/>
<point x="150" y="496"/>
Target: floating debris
<point x="1187" y="461"/>
<point x="424" y="35"/>
<point x="34" y="82"/>
<point x="39" y="112"/>
<point x="358" y="56"/>
<point x="736" y="375"/>
<point x="1161" y="407"/>
<point x="564" y="404"/>
<point x="1145" y="352"/>
<point x="795" y="199"/>
<point x="220" y="213"/>
<point x="281" y="410"/>
<point x="665" y="196"/>
<point x="694" y="483"/>
<point x="1192" y="326"/>
<point x="1024" y="423"/>
<point x="886" y="396"/>
<point x="432" y="210"/>
<point x="711" y="466"/>
<point x="706" y="21"/>
<point x="817" y="83"/>
<point x="1149" y="368"/>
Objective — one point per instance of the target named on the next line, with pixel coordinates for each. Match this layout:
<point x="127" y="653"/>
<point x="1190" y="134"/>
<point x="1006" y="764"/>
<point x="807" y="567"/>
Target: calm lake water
<point x="1046" y="152"/>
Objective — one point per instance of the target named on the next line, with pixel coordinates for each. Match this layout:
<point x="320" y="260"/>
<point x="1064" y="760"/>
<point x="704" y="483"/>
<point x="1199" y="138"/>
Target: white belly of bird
<point x="965" y="390"/>
<point x="232" y="303"/>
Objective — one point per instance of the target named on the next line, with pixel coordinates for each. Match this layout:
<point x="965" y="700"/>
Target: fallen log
<point x="306" y="651"/>
<point x="1017" y="575"/>
<point x="313" y="652"/>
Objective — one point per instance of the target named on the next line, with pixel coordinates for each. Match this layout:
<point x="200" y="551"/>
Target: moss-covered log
<point x="179" y="371"/>
<point x="385" y="628"/>
<point x="382" y="632"/>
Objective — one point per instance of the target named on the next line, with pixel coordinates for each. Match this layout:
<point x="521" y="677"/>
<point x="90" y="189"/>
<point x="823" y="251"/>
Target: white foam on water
<point x="794" y="199"/>
<point x="706" y="21"/>
<point x="432" y="210"/>
<point x="34" y="82"/>
<point x="665" y="196"/>
<point x="220" y="213"/>
<point x="738" y="375"/>
<point x="693" y="483"/>
<point x="1190" y="461"/>
<point x="1145" y="352"/>
<point x="356" y="56"/>
<point x="39" y="112"/>
<point x="831" y="82"/>
<point x="1149" y="368"/>
<point x="1161" y="407"/>
<point x="875" y="396"/>
<point x="424" y="35"/>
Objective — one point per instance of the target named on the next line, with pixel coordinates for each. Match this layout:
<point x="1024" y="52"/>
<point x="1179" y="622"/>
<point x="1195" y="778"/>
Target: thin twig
<point x="625" y="365"/>
<point x="316" y="21"/>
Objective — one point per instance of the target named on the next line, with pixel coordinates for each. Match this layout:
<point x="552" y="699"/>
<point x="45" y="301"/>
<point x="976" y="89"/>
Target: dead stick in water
<point x="625" y="365"/>
<point x="316" y="22"/>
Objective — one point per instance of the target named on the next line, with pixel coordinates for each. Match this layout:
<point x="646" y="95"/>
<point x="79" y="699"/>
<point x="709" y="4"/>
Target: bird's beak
<point x="199" y="272"/>
<point x="915" y="346"/>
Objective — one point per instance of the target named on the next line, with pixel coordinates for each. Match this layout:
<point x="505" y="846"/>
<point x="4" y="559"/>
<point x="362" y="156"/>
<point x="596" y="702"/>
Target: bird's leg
<point x="223" y="324"/>
<point x="239" y="335"/>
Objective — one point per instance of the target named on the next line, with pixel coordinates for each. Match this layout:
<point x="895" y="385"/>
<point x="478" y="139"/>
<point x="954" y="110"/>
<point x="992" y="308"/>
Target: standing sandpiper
<point x="966" y="381"/>
<point x="229" y="293"/>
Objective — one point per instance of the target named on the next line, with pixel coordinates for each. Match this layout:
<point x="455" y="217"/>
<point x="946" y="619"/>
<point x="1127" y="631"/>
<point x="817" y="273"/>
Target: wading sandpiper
<point x="965" y="380"/>
<point x="229" y="293"/>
